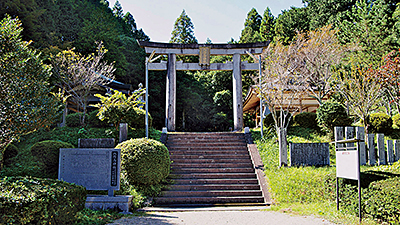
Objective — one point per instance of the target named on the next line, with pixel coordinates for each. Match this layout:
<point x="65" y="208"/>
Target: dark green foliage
<point x="396" y="121"/>
<point x="60" y="25"/>
<point x="370" y="26"/>
<point x="325" y="12"/>
<point x="306" y="119"/>
<point x="331" y="114"/>
<point x="74" y="119"/>
<point x="10" y="152"/>
<point x="379" y="123"/>
<point x="26" y="103"/>
<point x="27" y="200"/>
<point x="94" y="121"/>
<point x="145" y="161"/>
<point x="48" y="152"/>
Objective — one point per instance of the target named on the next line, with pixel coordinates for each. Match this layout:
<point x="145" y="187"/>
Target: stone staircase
<point x="210" y="169"/>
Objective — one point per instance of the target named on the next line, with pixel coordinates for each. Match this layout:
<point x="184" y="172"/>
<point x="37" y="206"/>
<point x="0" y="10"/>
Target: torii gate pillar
<point x="170" y="107"/>
<point x="237" y="94"/>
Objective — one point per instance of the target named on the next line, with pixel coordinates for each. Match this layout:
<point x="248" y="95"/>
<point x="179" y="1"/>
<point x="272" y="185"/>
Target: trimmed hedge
<point x="135" y="118"/>
<point x="306" y="119"/>
<point x="145" y="161"/>
<point x="94" y="121"/>
<point x="28" y="200"/>
<point x="379" y="123"/>
<point x="332" y="114"/>
<point x="74" y="119"/>
<point x="48" y="152"/>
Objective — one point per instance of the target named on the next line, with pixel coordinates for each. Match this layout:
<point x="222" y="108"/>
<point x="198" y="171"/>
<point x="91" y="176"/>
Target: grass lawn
<point x="312" y="190"/>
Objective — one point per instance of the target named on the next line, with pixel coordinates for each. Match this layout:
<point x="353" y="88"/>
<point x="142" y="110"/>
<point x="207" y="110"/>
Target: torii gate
<point x="203" y="51"/>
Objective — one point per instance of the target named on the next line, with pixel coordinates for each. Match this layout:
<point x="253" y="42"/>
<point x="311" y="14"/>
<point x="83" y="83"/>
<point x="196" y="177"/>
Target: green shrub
<point x="47" y="152"/>
<point x="379" y="123"/>
<point x="331" y="114"/>
<point x="269" y="120"/>
<point x="306" y="120"/>
<point x="135" y="118"/>
<point x="74" y="119"/>
<point x="396" y="121"/>
<point x="94" y="121"/>
<point x="145" y="161"/>
<point x="27" y="200"/>
<point x="382" y="201"/>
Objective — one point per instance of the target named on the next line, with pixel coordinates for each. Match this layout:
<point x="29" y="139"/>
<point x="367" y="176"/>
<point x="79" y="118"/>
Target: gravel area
<point x="221" y="217"/>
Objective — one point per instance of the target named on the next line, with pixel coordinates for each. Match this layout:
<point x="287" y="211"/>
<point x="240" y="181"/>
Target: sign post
<point x="348" y="166"/>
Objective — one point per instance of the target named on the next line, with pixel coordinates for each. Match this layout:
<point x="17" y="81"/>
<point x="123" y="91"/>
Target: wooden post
<point x="123" y="132"/>
<point x="390" y="155"/>
<point x="237" y="94"/>
<point x="170" y="109"/>
<point x="397" y="150"/>
<point x="381" y="149"/>
<point x="371" y="149"/>
<point x="349" y="135"/>
<point x="339" y="136"/>
<point x="360" y="135"/>
<point x="282" y="148"/>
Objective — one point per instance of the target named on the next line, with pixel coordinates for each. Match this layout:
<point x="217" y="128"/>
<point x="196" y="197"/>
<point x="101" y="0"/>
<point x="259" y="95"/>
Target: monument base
<point x="120" y="203"/>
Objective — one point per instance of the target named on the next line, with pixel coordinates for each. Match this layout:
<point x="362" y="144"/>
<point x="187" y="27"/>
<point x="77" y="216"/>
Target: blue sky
<point x="219" y="20"/>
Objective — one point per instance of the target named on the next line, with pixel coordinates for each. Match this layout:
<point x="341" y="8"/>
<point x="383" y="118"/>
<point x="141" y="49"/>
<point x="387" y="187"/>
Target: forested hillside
<point x="204" y="98"/>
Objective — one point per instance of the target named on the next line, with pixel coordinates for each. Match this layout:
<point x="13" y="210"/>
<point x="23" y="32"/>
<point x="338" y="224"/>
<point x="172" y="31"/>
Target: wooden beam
<point x="177" y="51"/>
<point x="228" y="66"/>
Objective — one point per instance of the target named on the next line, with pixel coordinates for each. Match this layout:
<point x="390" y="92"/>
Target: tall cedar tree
<point x="290" y="21"/>
<point x="327" y="12"/>
<point x="369" y="25"/>
<point x="183" y="32"/>
<point x="250" y="33"/>
<point x="267" y="26"/>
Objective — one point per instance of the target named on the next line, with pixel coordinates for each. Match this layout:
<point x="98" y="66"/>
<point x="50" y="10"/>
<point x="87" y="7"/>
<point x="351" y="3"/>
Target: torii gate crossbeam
<point x="236" y="66"/>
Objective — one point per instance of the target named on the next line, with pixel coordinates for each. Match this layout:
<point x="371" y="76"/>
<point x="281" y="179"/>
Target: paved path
<point x="205" y="217"/>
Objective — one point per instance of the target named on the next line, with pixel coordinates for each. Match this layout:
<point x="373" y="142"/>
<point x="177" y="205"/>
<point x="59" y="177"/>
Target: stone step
<point x="211" y="165"/>
<point x="206" y="145"/>
<point x="211" y="193"/>
<point x="208" y="152"/>
<point x="206" y="140"/>
<point x="208" y="200"/>
<point x="181" y="181"/>
<point x="209" y="156"/>
<point x="206" y="134"/>
<point x="212" y="175"/>
<point x="177" y="170"/>
<point x="195" y="187"/>
<point x="189" y="148"/>
<point x="217" y="160"/>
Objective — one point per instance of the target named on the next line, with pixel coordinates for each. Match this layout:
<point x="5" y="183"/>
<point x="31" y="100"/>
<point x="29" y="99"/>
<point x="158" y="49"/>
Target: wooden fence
<point x="372" y="151"/>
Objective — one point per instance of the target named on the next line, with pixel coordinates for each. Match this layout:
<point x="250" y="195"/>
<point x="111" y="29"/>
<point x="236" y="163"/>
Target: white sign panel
<point x="347" y="165"/>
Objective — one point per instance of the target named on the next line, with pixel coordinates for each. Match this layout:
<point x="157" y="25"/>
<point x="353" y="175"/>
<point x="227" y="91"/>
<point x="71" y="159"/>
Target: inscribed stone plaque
<point x="309" y="154"/>
<point x="95" y="169"/>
